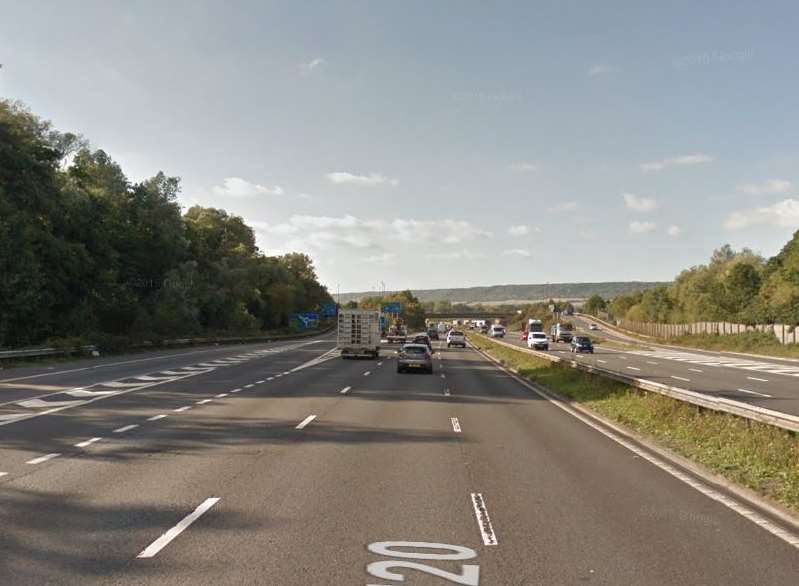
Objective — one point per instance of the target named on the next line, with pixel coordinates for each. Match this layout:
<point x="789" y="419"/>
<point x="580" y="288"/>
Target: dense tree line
<point x="735" y="286"/>
<point x="411" y="311"/>
<point x="84" y="252"/>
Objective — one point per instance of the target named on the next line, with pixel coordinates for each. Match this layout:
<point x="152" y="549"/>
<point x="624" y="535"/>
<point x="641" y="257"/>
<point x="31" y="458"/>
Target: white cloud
<point x="783" y="214"/>
<point x="381" y="259"/>
<point x="320" y="232"/>
<point x="455" y="255"/>
<point x="308" y="67"/>
<point x="238" y="187"/>
<point x="674" y="230"/>
<point x="516" y="252"/>
<point x="695" y="159"/>
<point x="770" y="186"/>
<point x="566" y="206"/>
<point x="639" y="204"/>
<point x="600" y="69"/>
<point x="520" y="230"/>
<point x="522" y="167"/>
<point x="642" y="227"/>
<point x="342" y="177"/>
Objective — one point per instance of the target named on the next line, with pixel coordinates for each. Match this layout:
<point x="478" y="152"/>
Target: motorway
<point x="283" y="464"/>
<point x="771" y="383"/>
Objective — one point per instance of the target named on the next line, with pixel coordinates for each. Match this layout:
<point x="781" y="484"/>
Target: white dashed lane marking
<point x="345" y="390"/>
<point x="762" y="380"/>
<point x="220" y="396"/>
<point x="306" y="421"/>
<point x="88" y="442"/>
<point x="126" y="428"/>
<point x="156" y="417"/>
<point x="160" y="543"/>
<point x="204" y="401"/>
<point x="754" y="393"/>
<point x="182" y="409"/>
<point x="483" y="520"/>
<point x="456" y="426"/>
<point x="42" y="459"/>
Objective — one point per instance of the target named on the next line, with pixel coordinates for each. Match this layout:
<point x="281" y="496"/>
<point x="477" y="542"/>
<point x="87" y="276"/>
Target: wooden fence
<point x="785" y="334"/>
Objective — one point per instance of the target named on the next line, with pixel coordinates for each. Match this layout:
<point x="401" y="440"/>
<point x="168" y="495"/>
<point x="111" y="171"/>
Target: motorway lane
<point x="381" y="462"/>
<point x="748" y="383"/>
<point x="570" y="505"/>
<point x="32" y="381"/>
<point x="60" y="432"/>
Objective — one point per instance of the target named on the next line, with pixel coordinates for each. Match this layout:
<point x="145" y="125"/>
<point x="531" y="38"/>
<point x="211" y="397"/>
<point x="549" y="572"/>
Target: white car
<point x="593" y="327"/>
<point x="497" y="331"/>
<point x="456" y="338"/>
<point x="537" y="341"/>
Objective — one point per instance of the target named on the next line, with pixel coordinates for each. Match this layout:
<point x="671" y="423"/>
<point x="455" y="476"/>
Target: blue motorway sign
<point x="391" y="307"/>
<point x="328" y="309"/>
<point x="306" y="319"/>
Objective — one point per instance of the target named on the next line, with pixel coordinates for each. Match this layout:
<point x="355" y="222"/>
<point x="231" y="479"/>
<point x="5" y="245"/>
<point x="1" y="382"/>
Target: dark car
<point x="433" y="333"/>
<point x="415" y="357"/>
<point x="422" y="339"/>
<point x="582" y="344"/>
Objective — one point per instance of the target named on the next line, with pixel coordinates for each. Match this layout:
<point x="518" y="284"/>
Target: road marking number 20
<point x="469" y="576"/>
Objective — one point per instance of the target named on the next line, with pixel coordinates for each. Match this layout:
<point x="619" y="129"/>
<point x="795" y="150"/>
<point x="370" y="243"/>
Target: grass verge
<point x="760" y="457"/>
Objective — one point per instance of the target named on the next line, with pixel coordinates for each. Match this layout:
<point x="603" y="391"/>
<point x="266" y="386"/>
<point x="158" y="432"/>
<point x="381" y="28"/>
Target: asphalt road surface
<point x="284" y="464"/>
<point x="771" y="383"/>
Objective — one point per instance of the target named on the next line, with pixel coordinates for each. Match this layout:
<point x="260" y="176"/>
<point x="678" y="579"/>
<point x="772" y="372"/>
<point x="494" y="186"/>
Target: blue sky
<point x="441" y="144"/>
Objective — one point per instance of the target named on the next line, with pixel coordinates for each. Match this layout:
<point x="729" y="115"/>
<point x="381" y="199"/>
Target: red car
<point x="524" y="335"/>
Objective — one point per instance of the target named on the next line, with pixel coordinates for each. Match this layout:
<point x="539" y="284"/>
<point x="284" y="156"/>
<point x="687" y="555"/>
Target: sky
<point x="421" y="144"/>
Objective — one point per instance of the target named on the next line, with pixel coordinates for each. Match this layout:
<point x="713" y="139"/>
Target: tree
<point x="594" y="305"/>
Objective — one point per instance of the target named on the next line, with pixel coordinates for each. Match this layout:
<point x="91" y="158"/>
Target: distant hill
<point x="522" y="293"/>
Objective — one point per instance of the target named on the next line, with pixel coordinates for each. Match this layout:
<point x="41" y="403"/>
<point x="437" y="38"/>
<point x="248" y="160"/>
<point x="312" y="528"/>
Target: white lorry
<point x="359" y="332"/>
<point x="535" y="325"/>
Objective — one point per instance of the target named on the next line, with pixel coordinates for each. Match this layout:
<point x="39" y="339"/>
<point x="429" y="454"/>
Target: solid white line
<point x="762" y="380"/>
<point x="220" y="396"/>
<point x="41" y="459"/>
<point x="754" y="393"/>
<point x="306" y="421"/>
<point x="160" y="543"/>
<point x="126" y="428"/>
<point x="695" y="370"/>
<point x="483" y="520"/>
<point x="456" y="426"/>
<point x="156" y="417"/>
<point x="204" y="401"/>
<point x="88" y="442"/>
<point x="681" y="378"/>
<point x="367" y="373"/>
<point x="345" y="390"/>
<point x="182" y="409"/>
<point x="633" y="368"/>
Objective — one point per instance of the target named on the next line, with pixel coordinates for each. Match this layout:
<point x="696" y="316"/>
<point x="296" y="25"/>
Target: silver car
<point x="415" y="357"/>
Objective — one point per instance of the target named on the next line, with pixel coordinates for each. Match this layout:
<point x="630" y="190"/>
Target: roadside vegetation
<point x="735" y="286"/>
<point x="88" y="255"/>
<point x="749" y="342"/>
<point x="758" y="456"/>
